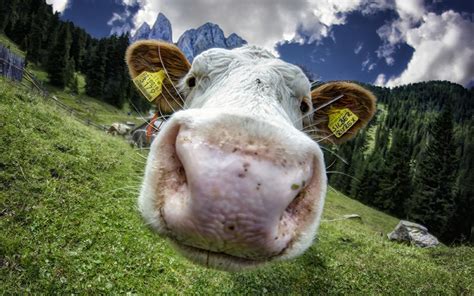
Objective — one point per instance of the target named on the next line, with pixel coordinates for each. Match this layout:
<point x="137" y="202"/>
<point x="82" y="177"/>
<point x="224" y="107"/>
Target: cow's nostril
<point x="293" y="207"/>
<point x="229" y="226"/>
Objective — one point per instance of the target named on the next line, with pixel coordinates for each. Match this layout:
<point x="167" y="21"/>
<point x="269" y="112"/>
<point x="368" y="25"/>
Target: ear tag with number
<point x="341" y="120"/>
<point x="150" y="84"/>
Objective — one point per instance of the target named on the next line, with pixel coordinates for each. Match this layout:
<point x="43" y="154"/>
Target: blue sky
<point x="350" y="54"/>
<point x="388" y="42"/>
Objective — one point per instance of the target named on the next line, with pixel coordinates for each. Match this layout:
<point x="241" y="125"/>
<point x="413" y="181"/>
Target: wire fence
<point x="13" y="68"/>
<point x="11" y="65"/>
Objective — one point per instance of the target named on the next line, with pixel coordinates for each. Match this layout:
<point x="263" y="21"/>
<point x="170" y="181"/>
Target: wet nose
<point x="238" y="199"/>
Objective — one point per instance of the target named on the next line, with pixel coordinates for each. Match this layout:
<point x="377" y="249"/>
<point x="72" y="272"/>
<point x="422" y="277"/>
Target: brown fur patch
<point x="145" y="55"/>
<point x="358" y="99"/>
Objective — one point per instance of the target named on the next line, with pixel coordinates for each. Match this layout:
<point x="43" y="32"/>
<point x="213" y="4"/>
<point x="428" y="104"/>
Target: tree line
<point x="415" y="159"/>
<point x="64" y="50"/>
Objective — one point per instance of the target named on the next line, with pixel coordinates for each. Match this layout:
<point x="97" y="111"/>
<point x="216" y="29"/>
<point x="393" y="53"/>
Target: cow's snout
<point x="238" y="198"/>
<point x="235" y="192"/>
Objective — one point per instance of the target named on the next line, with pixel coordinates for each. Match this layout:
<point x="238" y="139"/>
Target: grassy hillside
<point x="4" y="40"/>
<point x="85" y="106"/>
<point x="69" y="225"/>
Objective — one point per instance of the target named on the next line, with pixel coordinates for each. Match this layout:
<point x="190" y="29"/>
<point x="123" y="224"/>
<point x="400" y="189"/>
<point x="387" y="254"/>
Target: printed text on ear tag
<point x="150" y="83"/>
<point x="341" y="120"/>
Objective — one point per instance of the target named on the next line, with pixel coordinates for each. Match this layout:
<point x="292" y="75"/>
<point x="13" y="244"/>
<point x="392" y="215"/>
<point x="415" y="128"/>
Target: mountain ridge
<point x="193" y="41"/>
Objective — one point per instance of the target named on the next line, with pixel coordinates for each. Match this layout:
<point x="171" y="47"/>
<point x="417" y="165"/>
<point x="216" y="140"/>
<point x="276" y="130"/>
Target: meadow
<point x="70" y="225"/>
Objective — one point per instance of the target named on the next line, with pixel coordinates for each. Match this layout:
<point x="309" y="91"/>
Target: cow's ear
<point x="163" y="62"/>
<point x="343" y="108"/>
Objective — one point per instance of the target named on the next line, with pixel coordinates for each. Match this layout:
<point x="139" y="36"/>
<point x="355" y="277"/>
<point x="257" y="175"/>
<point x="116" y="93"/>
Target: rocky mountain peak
<point x="193" y="41"/>
<point x="207" y="36"/>
<point x="161" y="30"/>
<point x="142" y="33"/>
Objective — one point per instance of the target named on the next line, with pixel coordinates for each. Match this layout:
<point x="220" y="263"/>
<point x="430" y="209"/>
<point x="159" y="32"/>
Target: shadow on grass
<point x="308" y="274"/>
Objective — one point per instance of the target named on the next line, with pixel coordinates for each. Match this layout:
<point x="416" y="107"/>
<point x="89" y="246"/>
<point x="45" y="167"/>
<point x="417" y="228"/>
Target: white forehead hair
<point x="218" y="63"/>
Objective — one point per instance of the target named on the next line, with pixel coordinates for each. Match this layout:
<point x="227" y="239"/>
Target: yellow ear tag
<point x="150" y="84"/>
<point x="341" y="120"/>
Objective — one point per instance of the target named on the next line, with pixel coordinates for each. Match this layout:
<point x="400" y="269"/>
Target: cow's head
<point x="236" y="179"/>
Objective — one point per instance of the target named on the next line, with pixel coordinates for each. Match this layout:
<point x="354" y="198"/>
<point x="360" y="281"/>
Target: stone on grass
<point x="414" y="234"/>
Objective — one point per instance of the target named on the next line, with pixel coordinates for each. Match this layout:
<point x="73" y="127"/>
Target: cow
<point x="236" y="178"/>
<point x="119" y="129"/>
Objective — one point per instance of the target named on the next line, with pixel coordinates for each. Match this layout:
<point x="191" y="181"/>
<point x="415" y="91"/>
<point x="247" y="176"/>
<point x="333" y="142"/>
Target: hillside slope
<point x="93" y="109"/>
<point x="70" y="225"/>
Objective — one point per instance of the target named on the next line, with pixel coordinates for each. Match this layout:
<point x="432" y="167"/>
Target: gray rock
<point x="413" y="233"/>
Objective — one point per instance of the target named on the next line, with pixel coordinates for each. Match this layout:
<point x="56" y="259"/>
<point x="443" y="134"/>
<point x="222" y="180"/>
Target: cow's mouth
<point x="231" y="262"/>
<point x="217" y="260"/>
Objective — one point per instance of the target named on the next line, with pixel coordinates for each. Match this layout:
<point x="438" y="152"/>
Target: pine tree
<point x="432" y="202"/>
<point x="339" y="173"/>
<point x="79" y="39"/>
<point x="369" y="181"/>
<point x="69" y="72"/>
<point x="95" y="75"/>
<point x="36" y="35"/>
<point x="395" y="181"/>
<point x="8" y="15"/>
<point x="58" y="61"/>
<point x="461" y="225"/>
<point x="52" y="28"/>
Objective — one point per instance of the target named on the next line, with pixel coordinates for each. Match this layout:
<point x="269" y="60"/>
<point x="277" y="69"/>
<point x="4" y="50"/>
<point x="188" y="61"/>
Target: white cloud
<point x="120" y="21"/>
<point x="358" y="48"/>
<point x="115" y="18"/>
<point x="444" y="50"/>
<point x="129" y="2"/>
<point x="371" y="67"/>
<point x="412" y="9"/>
<point x="119" y="30"/>
<point x="443" y="44"/>
<point x="264" y="22"/>
<point x="386" y="51"/>
<point x="410" y="12"/>
<point x="59" y="5"/>
<point x="367" y="64"/>
<point x="381" y="80"/>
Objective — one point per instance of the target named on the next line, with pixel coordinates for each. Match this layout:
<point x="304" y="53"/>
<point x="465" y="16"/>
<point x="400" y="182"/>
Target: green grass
<point x="86" y="107"/>
<point x="70" y="226"/>
<point x="39" y="73"/>
<point x="96" y="110"/>
<point x="4" y="40"/>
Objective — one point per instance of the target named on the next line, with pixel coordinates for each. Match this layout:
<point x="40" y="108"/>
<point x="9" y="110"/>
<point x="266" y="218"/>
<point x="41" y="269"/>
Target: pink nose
<point x="238" y="199"/>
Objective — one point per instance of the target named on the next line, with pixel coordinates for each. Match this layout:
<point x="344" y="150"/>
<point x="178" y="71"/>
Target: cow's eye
<point x="304" y="107"/>
<point x="191" y="82"/>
